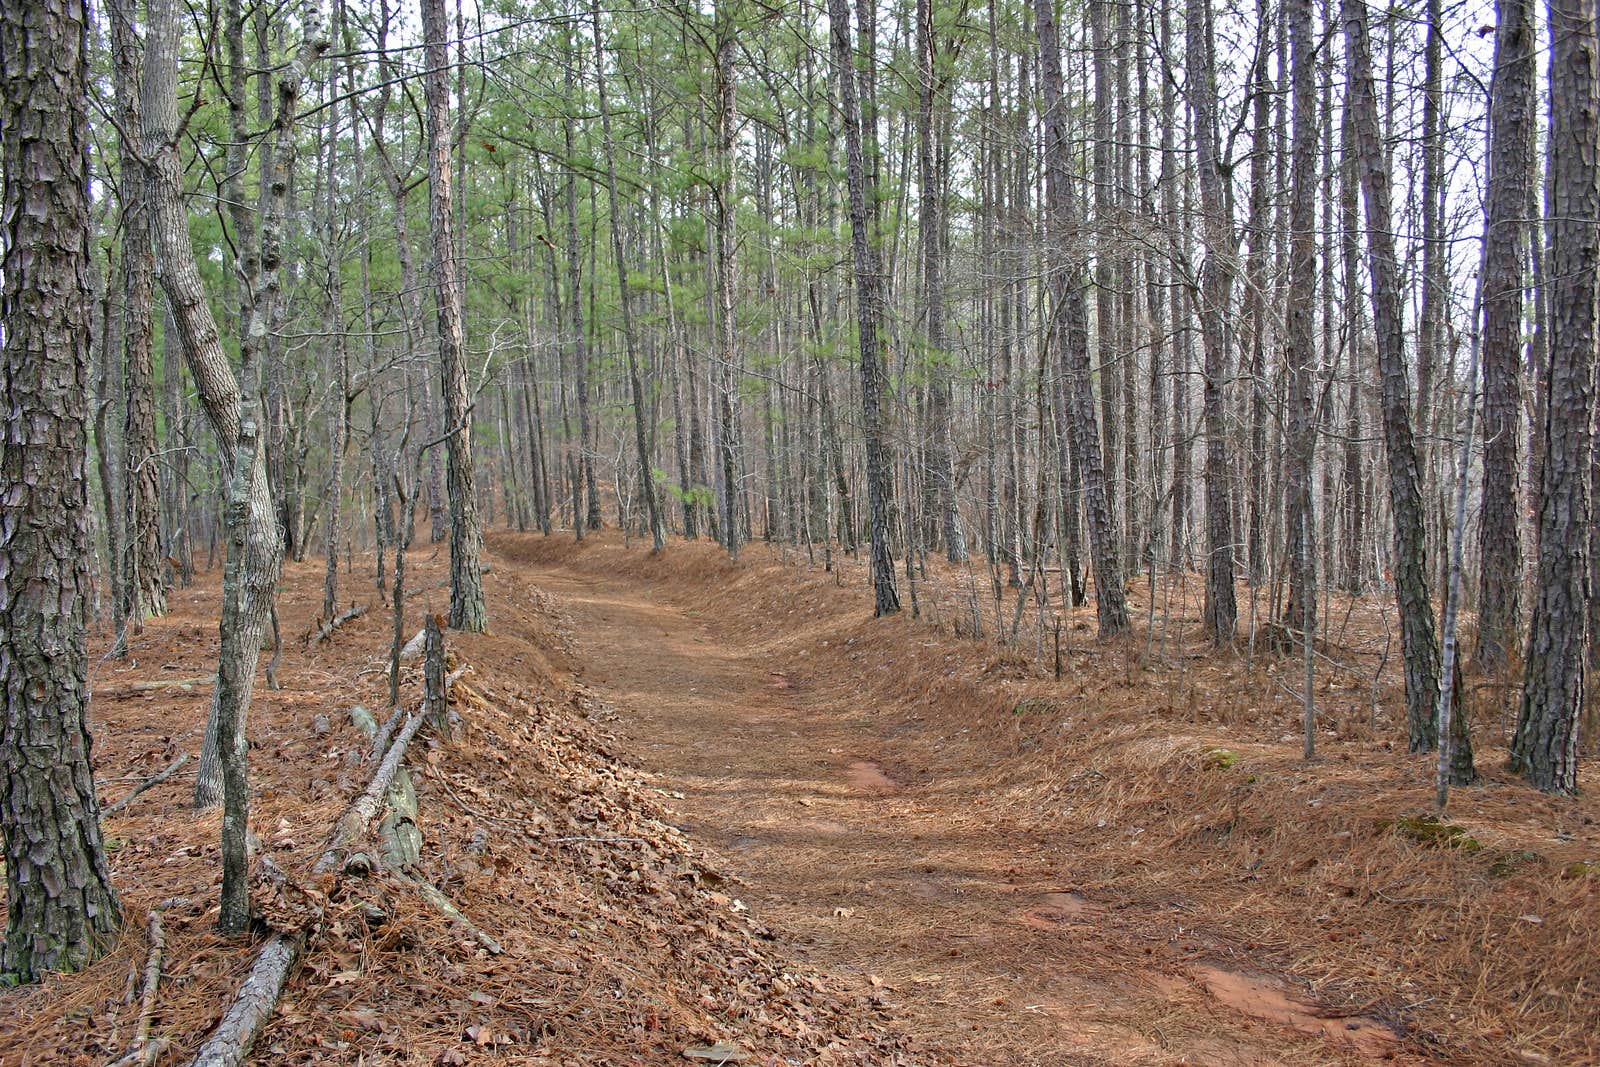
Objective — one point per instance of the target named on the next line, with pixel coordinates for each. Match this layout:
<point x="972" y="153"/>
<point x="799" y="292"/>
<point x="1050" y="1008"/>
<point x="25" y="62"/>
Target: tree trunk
<point x="1545" y="749"/>
<point x="941" y="467"/>
<point x="1419" y="644"/>
<point x="143" y="589"/>
<point x="1506" y="233"/>
<point x="466" y="535"/>
<point x="869" y="289"/>
<point x="658" y="528"/>
<point x="61" y="911"/>
<point x="727" y="289"/>
<point x="1301" y="344"/>
<point x="1216" y="288"/>
<point x="1070" y="333"/>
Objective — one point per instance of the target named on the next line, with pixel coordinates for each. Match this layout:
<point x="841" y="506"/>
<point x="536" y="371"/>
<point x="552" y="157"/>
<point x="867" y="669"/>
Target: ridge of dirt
<point x="1088" y="870"/>
<point x="625" y="942"/>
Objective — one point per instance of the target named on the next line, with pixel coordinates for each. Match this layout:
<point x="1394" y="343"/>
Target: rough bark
<point x="1545" y="748"/>
<point x="1070" y="332"/>
<point x="1301" y="353"/>
<point x="1505" y="238"/>
<point x="930" y="183"/>
<point x="869" y="295"/>
<point x="1216" y="289"/>
<point x="726" y="217"/>
<point x="143" y="589"/>
<point x="467" y="610"/>
<point x="61" y="908"/>
<point x="1419" y="645"/>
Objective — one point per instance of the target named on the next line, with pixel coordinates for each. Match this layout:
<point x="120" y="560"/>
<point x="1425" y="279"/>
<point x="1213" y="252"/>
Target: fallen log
<point x="252" y="1007"/>
<point x="254" y="1004"/>
<point x="325" y="631"/>
<point x="380" y="740"/>
<point x="400" y="842"/>
<point x="143" y="1051"/>
<point x="353" y="823"/>
<point x="153" y="780"/>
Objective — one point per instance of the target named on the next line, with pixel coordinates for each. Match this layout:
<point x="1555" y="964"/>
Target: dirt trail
<point x="863" y="846"/>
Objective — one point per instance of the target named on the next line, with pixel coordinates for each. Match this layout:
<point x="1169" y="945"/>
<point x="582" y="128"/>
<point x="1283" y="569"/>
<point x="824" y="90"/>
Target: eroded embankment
<point x="622" y="940"/>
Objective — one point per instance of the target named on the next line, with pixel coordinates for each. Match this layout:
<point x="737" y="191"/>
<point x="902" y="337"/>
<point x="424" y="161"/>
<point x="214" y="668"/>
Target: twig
<point x="154" y="780"/>
<point x="380" y="740"/>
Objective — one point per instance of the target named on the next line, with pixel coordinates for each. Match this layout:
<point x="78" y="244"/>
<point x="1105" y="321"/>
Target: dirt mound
<point x="623" y="941"/>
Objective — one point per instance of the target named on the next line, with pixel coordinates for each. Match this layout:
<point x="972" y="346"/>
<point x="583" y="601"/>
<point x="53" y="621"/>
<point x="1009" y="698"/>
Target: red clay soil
<point x="1130" y="865"/>
<point x="714" y="808"/>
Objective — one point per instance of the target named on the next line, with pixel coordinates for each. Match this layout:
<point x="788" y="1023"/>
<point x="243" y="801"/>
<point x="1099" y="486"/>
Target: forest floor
<point x="699" y="802"/>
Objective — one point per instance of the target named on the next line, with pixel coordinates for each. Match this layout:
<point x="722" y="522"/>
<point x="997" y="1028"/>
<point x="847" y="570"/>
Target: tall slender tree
<point x="1506" y="233"/>
<point x="1300" y="313"/>
<point x="1419" y="642"/>
<point x="467" y="611"/>
<point x="143" y="589"/>
<point x="1216" y="294"/>
<point x="869" y="310"/>
<point x="1070" y="330"/>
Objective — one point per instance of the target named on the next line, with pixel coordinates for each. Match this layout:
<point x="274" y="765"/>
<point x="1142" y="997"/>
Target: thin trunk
<point x="1070" y="333"/>
<point x="466" y="535"/>
<point x="869" y="290"/>
<point x="1216" y="288"/>
<point x="658" y="529"/>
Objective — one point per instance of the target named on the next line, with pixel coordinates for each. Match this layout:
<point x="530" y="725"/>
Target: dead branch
<point x="380" y="739"/>
<point x="325" y="631"/>
<point x="133" y="689"/>
<point x="442" y="904"/>
<point x="353" y="823"/>
<point x="143" y="1051"/>
<point x="153" y="780"/>
<point x="257" y="998"/>
<point x="254" y="1004"/>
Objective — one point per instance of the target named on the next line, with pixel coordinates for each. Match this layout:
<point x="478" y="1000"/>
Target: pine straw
<point x="624" y="949"/>
<point x="1249" y="858"/>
